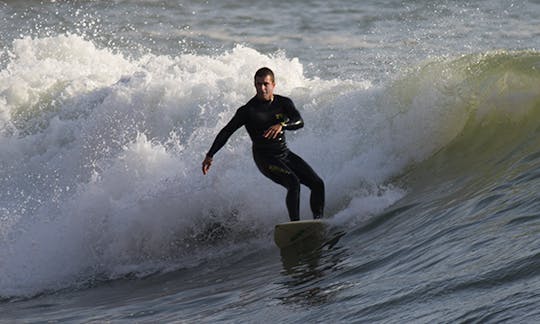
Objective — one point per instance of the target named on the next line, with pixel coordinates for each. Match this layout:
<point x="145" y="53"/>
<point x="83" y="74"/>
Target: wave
<point x="101" y="176"/>
<point x="494" y="106"/>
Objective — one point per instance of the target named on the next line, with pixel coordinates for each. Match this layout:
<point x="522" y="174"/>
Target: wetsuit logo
<point x="282" y="118"/>
<point x="276" y="169"/>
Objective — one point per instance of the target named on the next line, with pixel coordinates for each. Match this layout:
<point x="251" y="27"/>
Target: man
<point x="265" y="117"/>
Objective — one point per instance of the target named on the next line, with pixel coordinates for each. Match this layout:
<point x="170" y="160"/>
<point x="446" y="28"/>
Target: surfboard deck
<point x="292" y="233"/>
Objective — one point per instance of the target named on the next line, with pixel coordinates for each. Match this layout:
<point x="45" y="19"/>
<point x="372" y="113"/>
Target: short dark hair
<point x="263" y="72"/>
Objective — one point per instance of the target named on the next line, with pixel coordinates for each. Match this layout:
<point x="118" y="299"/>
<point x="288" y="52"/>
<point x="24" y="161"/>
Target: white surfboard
<point x="292" y="233"/>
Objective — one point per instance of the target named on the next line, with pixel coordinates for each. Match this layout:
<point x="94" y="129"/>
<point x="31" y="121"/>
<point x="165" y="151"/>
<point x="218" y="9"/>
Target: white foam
<point x="102" y="158"/>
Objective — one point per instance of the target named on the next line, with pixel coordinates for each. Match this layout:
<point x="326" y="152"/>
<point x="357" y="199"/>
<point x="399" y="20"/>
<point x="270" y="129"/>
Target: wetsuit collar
<point x="265" y="101"/>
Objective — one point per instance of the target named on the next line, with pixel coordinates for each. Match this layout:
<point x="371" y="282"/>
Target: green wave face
<point x="489" y="109"/>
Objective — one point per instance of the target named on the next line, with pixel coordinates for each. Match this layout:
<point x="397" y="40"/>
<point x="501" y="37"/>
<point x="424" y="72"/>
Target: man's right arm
<point x="221" y="139"/>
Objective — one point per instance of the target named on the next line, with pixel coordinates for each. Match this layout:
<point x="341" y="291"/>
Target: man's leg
<point x="280" y="173"/>
<point x="308" y="177"/>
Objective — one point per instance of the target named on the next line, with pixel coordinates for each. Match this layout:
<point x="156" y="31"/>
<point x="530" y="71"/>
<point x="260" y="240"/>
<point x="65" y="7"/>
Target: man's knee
<point x="320" y="183"/>
<point x="292" y="182"/>
<point x="317" y="184"/>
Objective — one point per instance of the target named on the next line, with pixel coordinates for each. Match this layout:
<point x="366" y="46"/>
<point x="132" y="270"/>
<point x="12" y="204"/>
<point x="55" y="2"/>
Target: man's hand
<point x="206" y="164"/>
<point x="273" y="131"/>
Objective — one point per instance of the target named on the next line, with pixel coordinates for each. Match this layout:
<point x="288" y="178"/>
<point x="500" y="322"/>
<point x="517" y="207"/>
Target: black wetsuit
<point x="272" y="156"/>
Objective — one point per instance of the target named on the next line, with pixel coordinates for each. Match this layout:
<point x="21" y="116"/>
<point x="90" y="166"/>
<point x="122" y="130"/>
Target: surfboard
<point x="293" y="233"/>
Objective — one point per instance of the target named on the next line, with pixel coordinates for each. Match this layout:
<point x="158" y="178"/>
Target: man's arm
<point x="221" y="139"/>
<point x="294" y="120"/>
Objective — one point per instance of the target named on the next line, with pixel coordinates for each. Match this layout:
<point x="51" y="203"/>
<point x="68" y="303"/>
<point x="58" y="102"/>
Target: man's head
<point x="264" y="83"/>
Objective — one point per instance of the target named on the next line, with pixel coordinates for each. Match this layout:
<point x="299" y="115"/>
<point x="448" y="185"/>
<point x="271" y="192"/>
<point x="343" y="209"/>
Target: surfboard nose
<point x="291" y="233"/>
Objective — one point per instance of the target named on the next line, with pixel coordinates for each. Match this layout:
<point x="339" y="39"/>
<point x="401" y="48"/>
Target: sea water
<point x="420" y="116"/>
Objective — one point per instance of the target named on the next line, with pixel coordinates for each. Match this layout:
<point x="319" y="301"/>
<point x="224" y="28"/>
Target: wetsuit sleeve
<point x="236" y="122"/>
<point x="294" y="120"/>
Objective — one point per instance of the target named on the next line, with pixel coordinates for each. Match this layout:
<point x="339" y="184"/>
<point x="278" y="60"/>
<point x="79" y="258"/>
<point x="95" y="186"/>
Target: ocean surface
<point x="422" y="117"/>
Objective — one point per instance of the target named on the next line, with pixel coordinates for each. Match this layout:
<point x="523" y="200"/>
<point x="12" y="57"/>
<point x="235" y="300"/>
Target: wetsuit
<point x="272" y="156"/>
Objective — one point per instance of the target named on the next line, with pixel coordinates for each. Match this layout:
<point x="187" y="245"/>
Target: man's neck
<point x="265" y="100"/>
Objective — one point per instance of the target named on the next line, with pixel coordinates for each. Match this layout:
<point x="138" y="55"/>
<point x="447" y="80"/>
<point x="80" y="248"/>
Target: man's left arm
<point x="294" y="120"/>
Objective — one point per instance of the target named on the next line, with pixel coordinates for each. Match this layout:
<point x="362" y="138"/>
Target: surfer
<point x="266" y="116"/>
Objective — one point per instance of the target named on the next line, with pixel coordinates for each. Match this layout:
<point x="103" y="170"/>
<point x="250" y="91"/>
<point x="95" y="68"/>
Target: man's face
<point x="265" y="87"/>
